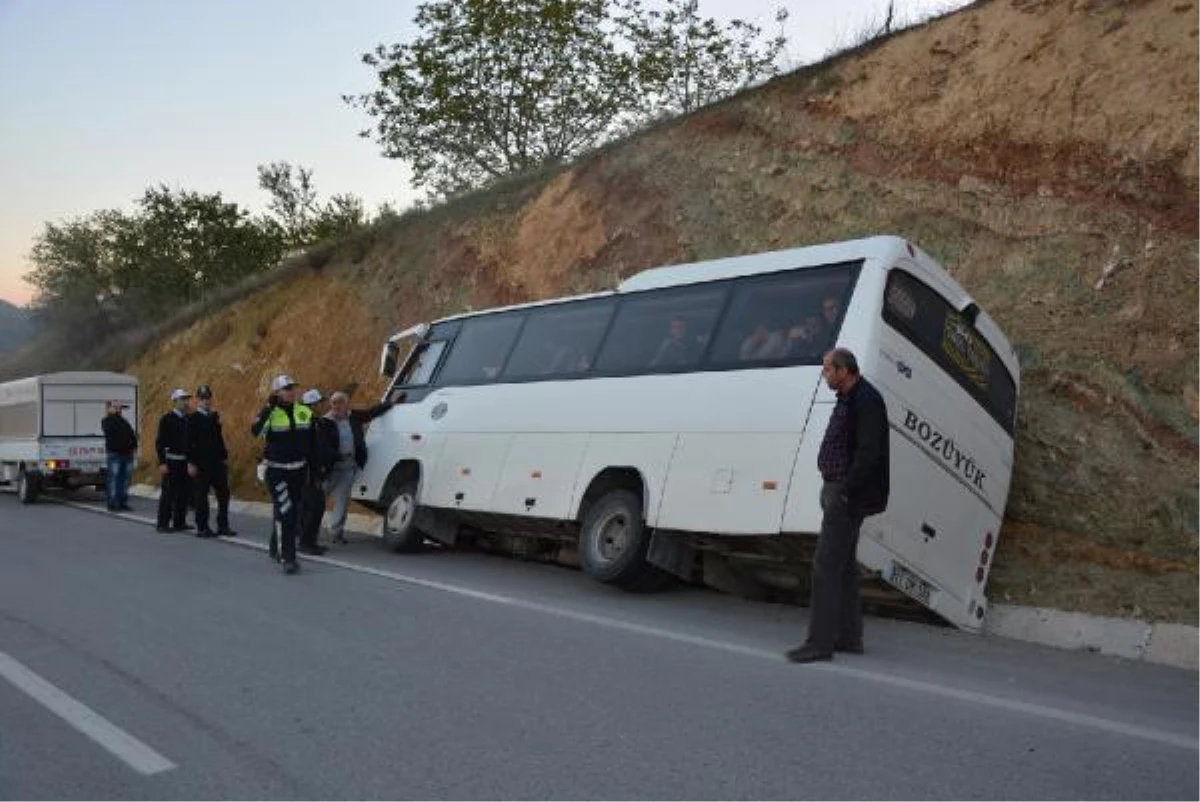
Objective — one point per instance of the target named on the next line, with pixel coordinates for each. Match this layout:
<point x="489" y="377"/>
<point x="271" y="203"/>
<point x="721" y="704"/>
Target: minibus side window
<point x="480" y="349"/>
<point x="789" y="318"/>
<point x="662" y="331"/>
<point x="559" y="341"/>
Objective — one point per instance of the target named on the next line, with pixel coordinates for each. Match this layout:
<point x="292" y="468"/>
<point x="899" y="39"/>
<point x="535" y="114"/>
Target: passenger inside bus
<point x="831" y="313"/>
<point x="802" y="339"/>
<point x="762" y="343"/>
<point x="568" y="359"/>
<point x="678" y="349"/>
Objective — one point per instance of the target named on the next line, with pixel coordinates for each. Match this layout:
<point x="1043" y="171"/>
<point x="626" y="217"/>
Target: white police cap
<point x="282" y="382"/>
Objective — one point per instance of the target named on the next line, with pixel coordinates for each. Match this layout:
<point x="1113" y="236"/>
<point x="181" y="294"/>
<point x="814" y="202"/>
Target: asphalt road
<point x="138" y="665"/>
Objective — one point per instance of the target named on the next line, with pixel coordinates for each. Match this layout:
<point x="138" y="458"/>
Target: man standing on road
<point x="120" y="446"/>
<point x="853" y="461"/>
<point x="312" y="508"/>
<point x="287" y="427"/>
<point x="171" y="445"/>
<point x="208" y="464"/>
<point x="351" y="454"/>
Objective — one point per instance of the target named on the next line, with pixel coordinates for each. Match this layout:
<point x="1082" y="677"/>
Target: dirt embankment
<point x="1046" y="152"/>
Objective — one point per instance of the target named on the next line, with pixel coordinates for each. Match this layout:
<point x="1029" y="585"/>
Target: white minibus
<point x="683" y="411"/>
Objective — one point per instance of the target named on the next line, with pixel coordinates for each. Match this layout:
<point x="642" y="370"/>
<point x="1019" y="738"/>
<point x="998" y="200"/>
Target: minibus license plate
<point x="910" y="583"/>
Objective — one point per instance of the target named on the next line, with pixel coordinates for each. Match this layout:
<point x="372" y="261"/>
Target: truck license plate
<point x="911" y="584"/>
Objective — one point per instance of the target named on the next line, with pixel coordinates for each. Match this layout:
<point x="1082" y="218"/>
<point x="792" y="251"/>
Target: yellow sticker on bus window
<point x="966" y="349"/>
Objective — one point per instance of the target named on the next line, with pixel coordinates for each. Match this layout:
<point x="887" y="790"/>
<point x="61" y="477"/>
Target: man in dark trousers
<point x="312" y="508"/>
<point x="120" y="446"/>
<point x="287" y="426"/>
<point x="171" y="445"/>
<point x="853" y="461"/>
<point x="208" y="464"/>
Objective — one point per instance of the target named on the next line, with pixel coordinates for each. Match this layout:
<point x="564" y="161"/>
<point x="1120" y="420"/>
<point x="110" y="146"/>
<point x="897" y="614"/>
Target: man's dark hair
<point x="844" y="358"/>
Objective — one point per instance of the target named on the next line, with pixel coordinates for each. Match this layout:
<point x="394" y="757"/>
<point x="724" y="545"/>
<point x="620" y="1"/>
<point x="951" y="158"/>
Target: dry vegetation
<point x="1046" y="152"/>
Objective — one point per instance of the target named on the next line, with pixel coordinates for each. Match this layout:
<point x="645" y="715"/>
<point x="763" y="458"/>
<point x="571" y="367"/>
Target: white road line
<point x="137" y="755"/>
<point x="945" y="692"/>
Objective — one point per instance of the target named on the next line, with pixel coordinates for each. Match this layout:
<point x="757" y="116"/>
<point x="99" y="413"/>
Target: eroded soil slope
<point x="1045" y="152"/>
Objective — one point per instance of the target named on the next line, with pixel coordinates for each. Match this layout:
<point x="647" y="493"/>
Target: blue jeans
<point x="117" y="485"/>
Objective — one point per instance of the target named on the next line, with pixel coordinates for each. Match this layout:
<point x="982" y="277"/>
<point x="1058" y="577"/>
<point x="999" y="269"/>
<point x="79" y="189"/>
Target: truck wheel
<point x="400" y="531"/>
<point x="613" y="542"/>
<point x="28" y="486"/>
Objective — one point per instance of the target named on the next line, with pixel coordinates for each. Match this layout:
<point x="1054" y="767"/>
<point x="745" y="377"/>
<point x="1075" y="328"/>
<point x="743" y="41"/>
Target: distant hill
<point x="16" y="326"/>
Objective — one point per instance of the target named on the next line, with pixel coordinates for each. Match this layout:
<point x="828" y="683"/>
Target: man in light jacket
<point x="351" y="454"/>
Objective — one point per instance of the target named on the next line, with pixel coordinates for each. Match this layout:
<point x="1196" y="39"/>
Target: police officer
<point x="287" y="426"/>
<point x="312" y="509"/>
<point x="171" y="445"/>
<point x="208" y="464"/>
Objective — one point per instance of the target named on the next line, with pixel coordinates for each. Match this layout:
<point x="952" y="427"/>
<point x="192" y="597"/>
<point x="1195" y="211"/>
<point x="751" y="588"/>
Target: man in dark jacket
<point x="120" y="445"/>
<point x="287" y="426"/>
<point x="208" y="464"/>
<point x="171" y="446"/>
<point x="312" y="508"/>
<point x="854" y="465"/>
<point x="351" y="454"/>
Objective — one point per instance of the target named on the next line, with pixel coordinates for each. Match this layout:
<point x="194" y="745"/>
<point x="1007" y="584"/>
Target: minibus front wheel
<point x="400" y="532"/>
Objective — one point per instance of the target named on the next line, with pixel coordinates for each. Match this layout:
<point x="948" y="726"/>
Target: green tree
<point x="494" y="87"/>
<point x="73" y="275"/>
<point x="301" y="219"/>
<point x="293" y="199"/>
<point x="341" y="215"/>
<point x="112" y="270"/>
<point x="689" y="61"/>
<point x="185" y="244"/>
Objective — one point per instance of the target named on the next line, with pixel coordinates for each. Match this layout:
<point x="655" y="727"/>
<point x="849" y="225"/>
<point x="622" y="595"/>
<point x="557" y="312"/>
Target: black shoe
<point x="313" y="551"/>
<point x="206" y="532"/>
<point x="809" y="654"/>
<point x="124" y="508"/>
<point x="291" y="567"/>
<point x="226" y="532"/>
<point x="340" y="539"/>
<point x="848" y="646"/>
<point x="163" y="529"/>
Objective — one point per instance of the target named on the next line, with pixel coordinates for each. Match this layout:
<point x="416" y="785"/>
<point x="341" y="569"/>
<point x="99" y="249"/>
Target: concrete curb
<point x="1175" y="645"/>
<point x="1116" y="636"/>
<point x="1166" y="644"/>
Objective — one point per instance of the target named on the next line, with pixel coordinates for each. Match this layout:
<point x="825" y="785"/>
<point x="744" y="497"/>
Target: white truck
<point x="50" y="435"/>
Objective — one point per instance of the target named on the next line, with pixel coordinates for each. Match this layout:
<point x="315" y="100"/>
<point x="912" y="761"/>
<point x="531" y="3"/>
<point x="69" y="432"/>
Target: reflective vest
<point x="280" y="421"/>
<point x="289" y="437"/>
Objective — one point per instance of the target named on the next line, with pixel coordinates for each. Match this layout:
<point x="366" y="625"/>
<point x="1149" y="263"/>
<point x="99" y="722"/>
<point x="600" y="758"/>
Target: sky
<point x="100" y="100"/>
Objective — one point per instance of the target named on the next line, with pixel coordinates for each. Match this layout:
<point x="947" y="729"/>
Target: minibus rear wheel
<point x="613" y="541"/>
